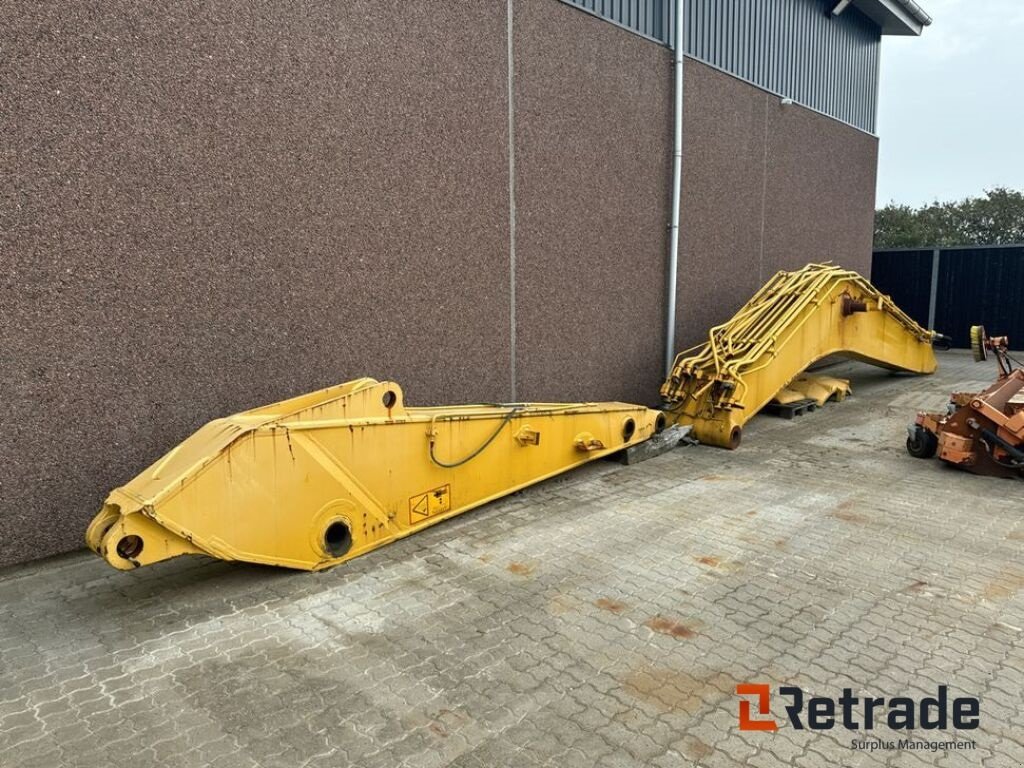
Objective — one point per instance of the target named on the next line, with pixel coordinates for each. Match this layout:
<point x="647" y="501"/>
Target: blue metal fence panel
<point x="976" y="285"/>
<point x="981" y="286"/>
<point x="794" y="48"/>
<point x="906" y="276"/>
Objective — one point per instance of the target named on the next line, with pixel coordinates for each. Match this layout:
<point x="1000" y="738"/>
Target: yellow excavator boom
<point x="796" y="319"/>
<point x="319" y="479"/>
<point x="316" y="480"/>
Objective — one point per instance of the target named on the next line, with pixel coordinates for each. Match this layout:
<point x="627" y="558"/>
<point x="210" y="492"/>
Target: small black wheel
<point x="922" y="444"/>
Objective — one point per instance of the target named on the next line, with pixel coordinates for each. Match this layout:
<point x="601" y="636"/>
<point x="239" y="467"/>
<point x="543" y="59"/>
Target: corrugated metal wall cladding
<point x="794" y="48"/>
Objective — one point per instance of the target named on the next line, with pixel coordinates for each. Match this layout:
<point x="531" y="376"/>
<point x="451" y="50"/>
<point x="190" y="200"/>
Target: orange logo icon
<point x="763" y="694"/>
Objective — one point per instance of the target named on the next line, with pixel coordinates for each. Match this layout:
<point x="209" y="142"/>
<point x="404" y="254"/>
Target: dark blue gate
<point x="951" y="289"/>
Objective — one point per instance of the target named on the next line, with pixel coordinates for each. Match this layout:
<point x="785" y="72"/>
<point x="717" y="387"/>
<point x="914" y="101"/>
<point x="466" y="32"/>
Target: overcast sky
<point x="951" y="116"/>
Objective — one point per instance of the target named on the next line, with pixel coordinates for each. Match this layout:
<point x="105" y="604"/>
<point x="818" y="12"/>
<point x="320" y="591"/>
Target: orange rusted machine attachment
<point x="982" y="432"/>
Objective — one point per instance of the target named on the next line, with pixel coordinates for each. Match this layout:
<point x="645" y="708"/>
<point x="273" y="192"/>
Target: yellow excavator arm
<point x="796" y="319"/>
<point x="319" y="479"/>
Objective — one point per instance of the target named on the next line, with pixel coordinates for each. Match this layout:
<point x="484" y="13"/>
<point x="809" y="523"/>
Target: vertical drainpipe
<point x="677" y="178"/>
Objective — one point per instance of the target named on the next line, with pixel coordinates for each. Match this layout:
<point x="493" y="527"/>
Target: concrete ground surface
<point x="600" y="619"/>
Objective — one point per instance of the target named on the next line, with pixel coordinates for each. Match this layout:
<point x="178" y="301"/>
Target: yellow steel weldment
<point x="796" y="319"/>
<point x="820" y="389"/>
<point x="319" y="479"/>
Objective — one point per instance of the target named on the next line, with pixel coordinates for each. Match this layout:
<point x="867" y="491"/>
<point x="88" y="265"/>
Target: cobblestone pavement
<point x="601" y="619"/>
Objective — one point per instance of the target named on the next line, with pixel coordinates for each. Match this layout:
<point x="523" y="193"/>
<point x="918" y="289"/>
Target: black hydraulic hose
<point x="1015" y="453"/>
<point x="508" y="417"/>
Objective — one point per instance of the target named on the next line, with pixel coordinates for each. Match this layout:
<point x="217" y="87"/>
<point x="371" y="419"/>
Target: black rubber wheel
<point x="922" y="444"/>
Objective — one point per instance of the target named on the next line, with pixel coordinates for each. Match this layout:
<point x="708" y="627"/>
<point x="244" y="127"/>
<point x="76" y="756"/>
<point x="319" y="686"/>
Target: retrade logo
<point x="822" y="713"/>
<point x="763" y="694"/>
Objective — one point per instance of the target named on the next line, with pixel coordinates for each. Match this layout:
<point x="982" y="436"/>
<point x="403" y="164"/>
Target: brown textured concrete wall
<point x="723" y="188"/>
<point x="765" y="187"/>
<point x="593" y="140"/>
<point x="819" y="192"/>
<point x="208" y="206"/>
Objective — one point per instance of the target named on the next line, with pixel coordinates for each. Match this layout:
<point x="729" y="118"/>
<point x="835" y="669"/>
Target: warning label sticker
<point x="426" y="505"/>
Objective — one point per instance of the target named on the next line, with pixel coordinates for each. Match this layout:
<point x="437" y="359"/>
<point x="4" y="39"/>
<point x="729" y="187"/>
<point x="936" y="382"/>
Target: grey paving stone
<point x="818" y="555"/>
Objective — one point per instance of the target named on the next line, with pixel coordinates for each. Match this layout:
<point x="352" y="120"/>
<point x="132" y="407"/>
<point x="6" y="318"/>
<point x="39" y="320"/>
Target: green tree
<point x="997" y="218"/>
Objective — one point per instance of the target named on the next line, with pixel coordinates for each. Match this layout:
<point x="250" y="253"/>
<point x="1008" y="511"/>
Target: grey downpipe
<point x="677" y="179"/>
